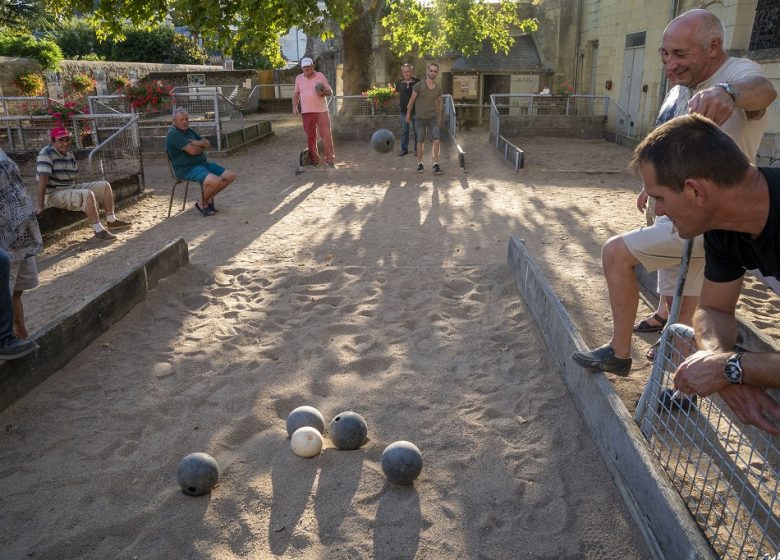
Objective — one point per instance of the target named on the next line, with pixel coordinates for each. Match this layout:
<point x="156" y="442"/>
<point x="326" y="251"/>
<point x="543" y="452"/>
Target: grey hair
<point x="708" y="27"/>
<point x="407" y="65"/>
<point x="180" y="110"/>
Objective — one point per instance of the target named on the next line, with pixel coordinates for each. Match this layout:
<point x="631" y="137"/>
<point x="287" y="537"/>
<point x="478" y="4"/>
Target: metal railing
<point x="119" y="155"/>
<point x="10" y="106"/>
<point x="512" y="115"/>
<point x="211" y="113"/>
<point x="726" y="472"/>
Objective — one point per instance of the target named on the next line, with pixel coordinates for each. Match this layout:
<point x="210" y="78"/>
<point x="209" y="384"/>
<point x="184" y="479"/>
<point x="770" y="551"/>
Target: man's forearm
<point x="755" y="93"/>
<point x="715" y="330"/>
<point x="42" y="182"/>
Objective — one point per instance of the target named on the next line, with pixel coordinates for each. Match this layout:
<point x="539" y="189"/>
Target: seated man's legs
<point x="24" y="276"/>
<point x="654" y="247"/>
<point x="84" y="198"/>
<point x="214" y="178"/>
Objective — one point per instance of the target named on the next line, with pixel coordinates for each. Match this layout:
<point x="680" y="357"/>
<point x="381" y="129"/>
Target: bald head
<point x="692" y="48"/>
<point x="702" y="26"/>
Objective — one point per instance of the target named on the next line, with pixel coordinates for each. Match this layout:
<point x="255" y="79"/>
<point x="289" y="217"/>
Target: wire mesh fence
<point x="726" y="472"/>
<point x="11" y="106"/>
<point x="117" y="156"/>
<point x="211" y="113"/>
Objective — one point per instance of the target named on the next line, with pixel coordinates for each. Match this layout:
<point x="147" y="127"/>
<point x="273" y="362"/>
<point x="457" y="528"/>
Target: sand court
<point x="369" y="288"/>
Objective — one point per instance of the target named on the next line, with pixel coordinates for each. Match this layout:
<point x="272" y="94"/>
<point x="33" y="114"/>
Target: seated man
<point x="56" y="171"/>
<point x="701" y="180"/>
<point x="187" y="151"/>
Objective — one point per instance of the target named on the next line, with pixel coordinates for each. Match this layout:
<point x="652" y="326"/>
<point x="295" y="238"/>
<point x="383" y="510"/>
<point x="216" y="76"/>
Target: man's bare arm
<point x="755" y="94"/>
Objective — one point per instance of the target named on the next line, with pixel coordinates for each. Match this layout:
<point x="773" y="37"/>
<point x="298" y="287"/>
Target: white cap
<point x="306" y="61"/>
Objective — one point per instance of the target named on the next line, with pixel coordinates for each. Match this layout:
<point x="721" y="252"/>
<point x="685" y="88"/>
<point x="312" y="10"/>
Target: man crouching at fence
<point x="187" y="151"/>
<point x="705" y="184"/>
<point x="56" y="170"/>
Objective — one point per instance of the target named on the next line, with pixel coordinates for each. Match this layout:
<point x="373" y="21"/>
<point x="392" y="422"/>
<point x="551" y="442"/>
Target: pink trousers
<point x="312" y="123"/>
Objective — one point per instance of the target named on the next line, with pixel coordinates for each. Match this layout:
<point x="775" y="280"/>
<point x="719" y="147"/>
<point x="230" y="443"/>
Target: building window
<point x="766" y="26"/>
<point x="635" y="40"/>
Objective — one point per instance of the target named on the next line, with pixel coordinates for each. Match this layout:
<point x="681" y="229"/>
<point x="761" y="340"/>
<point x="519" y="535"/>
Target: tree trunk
<point x="358" y="50"/>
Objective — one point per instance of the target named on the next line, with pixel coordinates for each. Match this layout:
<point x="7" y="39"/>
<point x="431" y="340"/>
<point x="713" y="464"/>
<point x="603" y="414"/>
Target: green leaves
<point x="452" y="26"/>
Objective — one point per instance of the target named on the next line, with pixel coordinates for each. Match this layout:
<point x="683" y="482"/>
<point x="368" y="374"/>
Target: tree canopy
<point x="427" y="28"/>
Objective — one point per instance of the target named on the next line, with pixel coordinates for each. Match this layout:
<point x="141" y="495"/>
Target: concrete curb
<point x="62" y="339"/>
<point x="659" y="512"/>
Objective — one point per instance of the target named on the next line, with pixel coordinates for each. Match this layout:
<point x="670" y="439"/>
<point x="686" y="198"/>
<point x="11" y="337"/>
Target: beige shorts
<point x="24" y="275"/>
<point x="658" y="247"/>
<point x="75" y="199"/>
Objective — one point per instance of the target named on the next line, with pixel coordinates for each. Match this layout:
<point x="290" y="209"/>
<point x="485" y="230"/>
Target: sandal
<point x="653" y="350"/>
<point x="204" y="211"/>
<point x="645" y="326"/>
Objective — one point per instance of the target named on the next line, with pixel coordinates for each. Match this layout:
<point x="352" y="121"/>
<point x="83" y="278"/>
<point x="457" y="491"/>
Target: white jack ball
<point x="306" y="442"/>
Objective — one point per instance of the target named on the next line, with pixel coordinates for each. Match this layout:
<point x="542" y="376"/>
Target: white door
<point x="631" y="82"/>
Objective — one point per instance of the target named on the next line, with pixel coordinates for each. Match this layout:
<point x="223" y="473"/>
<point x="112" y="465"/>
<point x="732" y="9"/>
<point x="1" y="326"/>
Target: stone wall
<point x="177" y="74"/>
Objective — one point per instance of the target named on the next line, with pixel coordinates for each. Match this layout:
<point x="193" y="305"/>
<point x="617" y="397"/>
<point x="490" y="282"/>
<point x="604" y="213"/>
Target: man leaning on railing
<point x="703" y="182"/>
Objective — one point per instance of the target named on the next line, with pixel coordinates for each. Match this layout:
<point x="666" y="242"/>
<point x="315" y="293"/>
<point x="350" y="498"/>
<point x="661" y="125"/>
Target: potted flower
<point x="30" y="84"/>
<point x="565" y="89"/>
<point x="380" y="96"/>
<point x="82" y="83"/>
<point x="146" y="96"/>
<point x="118" y="83"/>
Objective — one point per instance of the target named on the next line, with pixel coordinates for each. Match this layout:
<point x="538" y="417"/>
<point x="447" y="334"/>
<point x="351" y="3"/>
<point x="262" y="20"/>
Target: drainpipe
<point x="577" y="47"/>
<point x="673" y="7"/>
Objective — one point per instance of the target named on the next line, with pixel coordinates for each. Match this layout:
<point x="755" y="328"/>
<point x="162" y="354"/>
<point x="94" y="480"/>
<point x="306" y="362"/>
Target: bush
<point x="77" y="40"/>
<point x="161" y="44"/>
<point x="44" y="51"/>
<point x="30" y="84"/>
<point x="151" y="95"/>
<point x="82" y="83"/>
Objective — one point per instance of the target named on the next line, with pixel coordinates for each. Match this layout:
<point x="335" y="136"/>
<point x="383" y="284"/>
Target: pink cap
<point x="59" y="132"/>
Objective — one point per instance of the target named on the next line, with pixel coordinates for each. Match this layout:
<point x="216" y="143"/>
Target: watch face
<point x="734" y="369"/>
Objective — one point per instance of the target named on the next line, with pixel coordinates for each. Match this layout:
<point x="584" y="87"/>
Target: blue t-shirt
<point x="175" y="142"/>
<point x="729" y="254"/>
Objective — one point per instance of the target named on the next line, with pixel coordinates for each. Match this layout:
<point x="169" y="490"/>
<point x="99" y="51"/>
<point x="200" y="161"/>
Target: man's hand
<point x="750" y="404"/>
<point x="702" y="373"/>
<point x="641" y="200"/>
<point x="713" y="103"/>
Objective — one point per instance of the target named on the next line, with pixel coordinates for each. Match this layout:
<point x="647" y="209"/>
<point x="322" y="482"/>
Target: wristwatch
<point x="730" y="89"/>
<point x="734" y="368"/>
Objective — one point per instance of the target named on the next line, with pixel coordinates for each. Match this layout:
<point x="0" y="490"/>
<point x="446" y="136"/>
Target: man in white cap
<point x="311" y="89"/>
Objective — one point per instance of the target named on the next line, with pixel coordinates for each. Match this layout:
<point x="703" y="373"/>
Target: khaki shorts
<point x="24" y="275"/>
<point x="75" y="199"/>
<point x="658" y="247"/>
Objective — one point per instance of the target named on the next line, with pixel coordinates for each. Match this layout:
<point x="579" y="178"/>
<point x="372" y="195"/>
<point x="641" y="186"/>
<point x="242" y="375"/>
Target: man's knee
<point x="229" y="176"/>
<point x="616" y="253"/>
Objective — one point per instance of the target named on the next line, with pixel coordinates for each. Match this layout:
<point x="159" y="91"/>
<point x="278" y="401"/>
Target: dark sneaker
<point x="603" y="359"/>
<point x="13" y="347"/>
<point x="118" y="224"/>
<point x="105" y="235"/>
<point x="420" y="167"/>
<point x="403" y="152"/>
<point x="437" y="169"/>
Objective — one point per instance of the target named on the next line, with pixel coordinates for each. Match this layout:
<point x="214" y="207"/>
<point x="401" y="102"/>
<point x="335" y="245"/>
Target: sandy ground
<point x="369" y="288"/>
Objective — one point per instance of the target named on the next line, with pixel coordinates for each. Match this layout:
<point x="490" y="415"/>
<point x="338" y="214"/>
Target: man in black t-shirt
<point x="404" y="88"/>
<point x="701" y="180"/>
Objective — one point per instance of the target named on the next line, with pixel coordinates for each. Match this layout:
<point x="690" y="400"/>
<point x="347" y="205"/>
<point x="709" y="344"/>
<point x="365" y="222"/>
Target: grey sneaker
<point x="603" y="359"/>
<point x="437" y="169"/>
<point x="420" y="167"/>
<point x="105" y="235"/>
<point x="118" y="224"/>
<point x="332" y="164"/>
<point x="12" y="347"/>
